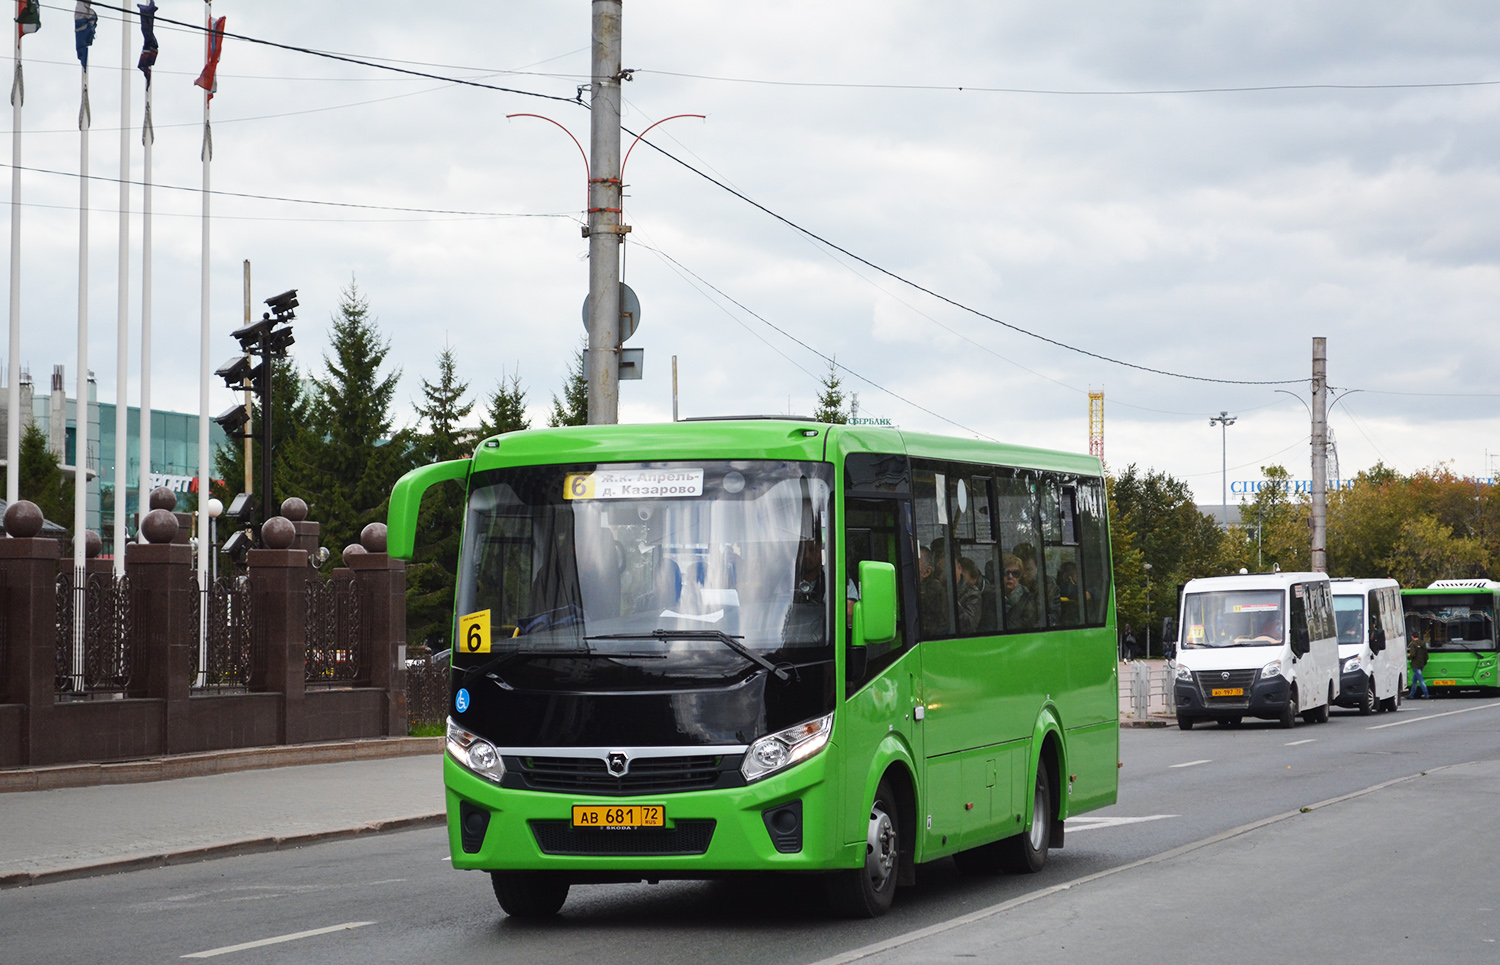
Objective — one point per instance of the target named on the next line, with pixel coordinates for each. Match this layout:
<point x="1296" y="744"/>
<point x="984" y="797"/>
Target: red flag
<point x="207" y="80"/>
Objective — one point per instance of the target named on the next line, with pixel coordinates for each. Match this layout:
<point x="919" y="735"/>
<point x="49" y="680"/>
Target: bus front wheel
<point x="1288" y="718"/>
<point x="867" y="892"/>
<point x="1026" y="853"/>
<point x="529" y="894"/>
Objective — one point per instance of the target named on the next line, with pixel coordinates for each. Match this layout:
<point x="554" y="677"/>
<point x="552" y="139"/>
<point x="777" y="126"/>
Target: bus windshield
<point x="1349" y="616"/>
<point x="631" y="574"/>
<point x="1451" y="622"/>
<point x="1233" y="618"/>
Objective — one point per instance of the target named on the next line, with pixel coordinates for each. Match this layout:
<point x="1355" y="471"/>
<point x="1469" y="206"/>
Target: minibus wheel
<point x="867" y="891"/>
<point x="1026" y="853"/>
<point x="529" y="894"/>
<point x="1370" y="704"/>
<point x="1288" y="717"/>
<point x="1185" y="722"/>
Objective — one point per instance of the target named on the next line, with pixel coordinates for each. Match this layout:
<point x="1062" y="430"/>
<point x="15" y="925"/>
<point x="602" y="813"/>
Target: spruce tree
<point x="431" y="578"/>
<point x="573" y="408"/>
<point x="41" y="478"/>
<point x="831" y="401"/>
<point x="348" y="458"/>
<point x="506" y="409"/>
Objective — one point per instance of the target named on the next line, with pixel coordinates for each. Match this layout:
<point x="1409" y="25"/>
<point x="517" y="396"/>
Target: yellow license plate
<point x="1229" y="692"/>
<point x="1443" y="683"/>
<point x="619" y="816"/>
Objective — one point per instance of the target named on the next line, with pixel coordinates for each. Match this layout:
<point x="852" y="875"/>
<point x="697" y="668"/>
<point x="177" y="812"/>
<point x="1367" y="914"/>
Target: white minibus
<point x="1372" y="644"/>
<point x="1257" y="645"/>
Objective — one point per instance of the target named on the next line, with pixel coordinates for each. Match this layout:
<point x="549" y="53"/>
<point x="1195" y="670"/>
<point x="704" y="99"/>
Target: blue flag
<point x="85" y="20"/>
<point x="148" y="38"/>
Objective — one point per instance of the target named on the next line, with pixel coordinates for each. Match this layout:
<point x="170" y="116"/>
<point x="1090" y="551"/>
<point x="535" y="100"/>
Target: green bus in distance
<point x="1456" y="619"/>
<point x="769" y="644"/>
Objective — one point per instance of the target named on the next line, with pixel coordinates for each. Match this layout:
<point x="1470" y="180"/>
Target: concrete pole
<point x="605" y="230"/>
<point x="1320" y="455"/>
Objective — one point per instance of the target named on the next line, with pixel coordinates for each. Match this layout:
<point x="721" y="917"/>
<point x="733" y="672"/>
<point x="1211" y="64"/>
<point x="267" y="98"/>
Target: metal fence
<point x="4" y="635"/>
<point x="335" y="634"/>
<point x="1146" y="688"/>
<point x="426" y="687"/>
<point x="222" y="662"/>
<point x="95" y="654"/>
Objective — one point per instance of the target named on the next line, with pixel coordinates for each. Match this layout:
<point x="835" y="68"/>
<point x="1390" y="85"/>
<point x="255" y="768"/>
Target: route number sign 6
<point x="474" y="632"/>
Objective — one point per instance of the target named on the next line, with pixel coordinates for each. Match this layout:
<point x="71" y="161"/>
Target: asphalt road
<point x="1153" y="878"/>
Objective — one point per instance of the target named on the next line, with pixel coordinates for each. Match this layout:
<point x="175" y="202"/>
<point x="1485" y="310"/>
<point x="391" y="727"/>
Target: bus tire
<point x="1026" y="853"/>
<point x="1184" y="722"/>
<point x="529" y="894"/>
<point x="1369" y="704"/>
<point x="1288" y="718"/>
<point x="867" y="892"/>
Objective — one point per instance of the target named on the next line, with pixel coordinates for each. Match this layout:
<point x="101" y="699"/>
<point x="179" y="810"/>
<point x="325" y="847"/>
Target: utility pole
<point x="249" y="423"/>
<point x="605" y="232"/>
<point x="1224" y="420"/>
<point x="1320" y="455"/>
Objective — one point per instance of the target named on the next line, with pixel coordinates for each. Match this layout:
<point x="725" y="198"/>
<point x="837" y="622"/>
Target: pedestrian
<point x="1128" y="643"/>
<point x="1416" y="654"/>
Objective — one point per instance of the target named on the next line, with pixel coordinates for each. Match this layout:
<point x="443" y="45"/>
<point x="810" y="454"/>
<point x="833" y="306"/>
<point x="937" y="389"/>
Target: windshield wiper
<point x="727" y="640"/>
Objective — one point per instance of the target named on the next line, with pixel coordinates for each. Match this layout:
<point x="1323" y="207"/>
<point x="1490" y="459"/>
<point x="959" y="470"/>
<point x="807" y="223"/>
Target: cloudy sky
<point x="1096" y="173"/>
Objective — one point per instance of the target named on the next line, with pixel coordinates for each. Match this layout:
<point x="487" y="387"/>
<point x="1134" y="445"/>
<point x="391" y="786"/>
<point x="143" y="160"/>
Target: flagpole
<point x="204" y="549"/>
<point x="81" y="394"/>
<point x="122" y="306"/>
<point x="148" y="137"/>
<point x="13" y="363"/>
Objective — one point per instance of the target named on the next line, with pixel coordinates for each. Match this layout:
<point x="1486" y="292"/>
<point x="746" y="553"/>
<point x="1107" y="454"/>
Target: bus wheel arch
<point x="898" y="778"/>
<point x="1052" y="759"/>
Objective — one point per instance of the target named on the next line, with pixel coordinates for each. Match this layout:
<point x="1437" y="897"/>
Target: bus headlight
<point x="475" y="753"/>
<point x="1353" y="664"/>
<point x="1270" y="670"/>
<point x="785" y="748"/>
<point x="1184" y="673"/>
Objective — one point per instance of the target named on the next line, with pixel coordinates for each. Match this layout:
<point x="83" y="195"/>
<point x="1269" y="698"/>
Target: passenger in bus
<point x="1069" y="595"/>
<point x="1266" y="628"/>
<point x="966" y="590"/>
<point x="932" y="594"/>
<point x="1021" y="612"/>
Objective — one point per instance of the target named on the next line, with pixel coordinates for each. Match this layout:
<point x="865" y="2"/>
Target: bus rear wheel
<point x="1026" y="853"/>
<point x="867" y="892"/>
<point x="529" y="894"/>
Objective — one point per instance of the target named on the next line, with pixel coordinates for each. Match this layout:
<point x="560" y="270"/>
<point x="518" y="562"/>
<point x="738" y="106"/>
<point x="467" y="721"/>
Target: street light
<point x="215" y="510"/>
<point x="1148" y="609"/>
<point x="1224" y="420"/>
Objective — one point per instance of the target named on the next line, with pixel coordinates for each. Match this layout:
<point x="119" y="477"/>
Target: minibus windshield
<point x="1233" y="618"/>
<point x="1349" y="615"/>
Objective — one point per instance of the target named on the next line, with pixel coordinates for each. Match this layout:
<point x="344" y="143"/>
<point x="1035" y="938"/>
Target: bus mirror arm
<point x="406" y="501"/>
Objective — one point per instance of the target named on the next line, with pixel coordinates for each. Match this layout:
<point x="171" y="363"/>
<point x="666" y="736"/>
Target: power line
<point x="268" y="197"/>
<point x="1062" y="92"/>
<point x="827" y="358"/>
<point x="944" y="298"/>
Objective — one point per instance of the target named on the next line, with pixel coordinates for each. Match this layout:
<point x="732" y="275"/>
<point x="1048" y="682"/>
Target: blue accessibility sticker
<point x="462" y="700"/>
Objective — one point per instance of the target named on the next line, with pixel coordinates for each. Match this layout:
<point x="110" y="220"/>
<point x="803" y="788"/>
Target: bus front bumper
<point x="723" y="830"/>
<point x="1266" y="699"/>
<point x="1352" y="687"/>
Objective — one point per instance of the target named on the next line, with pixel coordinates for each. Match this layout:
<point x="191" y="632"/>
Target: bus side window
<point x="934" y="563"/>
<point x="1093" y="537"/>
<point x="871" y="533"/>
<point x="1021" y="583"/>
<point x="1064" y="585"/>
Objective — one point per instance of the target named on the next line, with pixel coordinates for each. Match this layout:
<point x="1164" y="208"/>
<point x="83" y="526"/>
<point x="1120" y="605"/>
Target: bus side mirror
<point x="1377" y="639"/>
<point x="406" y="501"/>
<point x="875" y="610"/>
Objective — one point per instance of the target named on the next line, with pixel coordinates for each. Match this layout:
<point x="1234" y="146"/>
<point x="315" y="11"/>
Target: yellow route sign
<point x="474" y="632"/>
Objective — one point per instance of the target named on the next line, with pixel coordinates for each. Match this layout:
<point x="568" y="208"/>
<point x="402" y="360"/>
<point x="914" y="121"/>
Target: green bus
<point x="768" y="644"/>
<point x="1456" y="619"/>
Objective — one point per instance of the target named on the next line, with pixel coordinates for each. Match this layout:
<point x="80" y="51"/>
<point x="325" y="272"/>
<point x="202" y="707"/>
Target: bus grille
<point x="648" y="775"/>
<point x="560" y="837"/>
<point x="1211" y="680"/>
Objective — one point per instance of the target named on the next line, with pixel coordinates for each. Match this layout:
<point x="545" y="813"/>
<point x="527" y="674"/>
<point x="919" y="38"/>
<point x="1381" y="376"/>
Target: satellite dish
<point x="630" y="312"/>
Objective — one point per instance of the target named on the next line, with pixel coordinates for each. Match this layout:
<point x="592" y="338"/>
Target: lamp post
<point x="215" y="510"/>
<point x="1224" y="420"/>
<point x="1148" y="608"/>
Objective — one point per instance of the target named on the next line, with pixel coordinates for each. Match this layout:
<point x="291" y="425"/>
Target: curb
<point x="23" y="879"/>
<point x="1147" y="721"/>
<point x="213" y="762"/>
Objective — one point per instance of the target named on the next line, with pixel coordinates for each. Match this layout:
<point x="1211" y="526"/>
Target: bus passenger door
<point x="882" y="681"/>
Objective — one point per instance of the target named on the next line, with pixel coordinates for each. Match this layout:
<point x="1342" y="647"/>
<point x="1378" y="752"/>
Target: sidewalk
<point x="239" y="804"/>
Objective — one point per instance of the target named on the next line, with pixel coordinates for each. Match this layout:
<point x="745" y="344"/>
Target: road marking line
<point x="1089" y="824"/>
<point x="1446" y="713"/>
<point x="898" y="941"/>
<point x="1307" y="740"/>
<point x="346" y="926"/>
<point x="1191" y="763"/>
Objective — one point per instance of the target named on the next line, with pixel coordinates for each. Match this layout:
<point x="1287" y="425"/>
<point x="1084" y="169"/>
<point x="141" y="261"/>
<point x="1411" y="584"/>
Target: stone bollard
<point x="28" y="564"/>
<point x="161" y="577"/>
<point x="308" y="533"/>
<point x="382" y="583"/>
<point x="163" y="498"/>
<point x="278" y="590"/>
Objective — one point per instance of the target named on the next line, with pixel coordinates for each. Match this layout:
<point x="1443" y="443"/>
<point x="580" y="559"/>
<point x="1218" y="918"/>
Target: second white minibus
<point x="1259" y="645"/>
<point x="1372" y="644"/>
